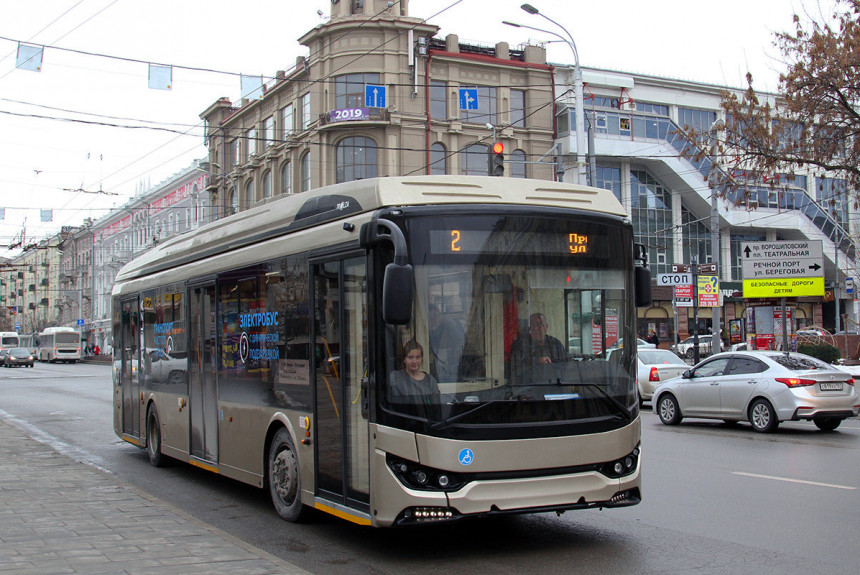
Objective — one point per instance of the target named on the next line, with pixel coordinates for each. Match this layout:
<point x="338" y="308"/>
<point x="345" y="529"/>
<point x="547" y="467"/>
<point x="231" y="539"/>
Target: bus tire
<point x="153" y="438"/>
<point x="284" y="477"/>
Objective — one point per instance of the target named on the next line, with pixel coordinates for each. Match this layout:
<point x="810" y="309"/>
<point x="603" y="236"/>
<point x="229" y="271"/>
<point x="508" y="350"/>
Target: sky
<point x="86" y="134"/>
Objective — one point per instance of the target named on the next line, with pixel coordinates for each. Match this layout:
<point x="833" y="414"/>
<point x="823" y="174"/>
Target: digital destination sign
<point x="464" y="241"/>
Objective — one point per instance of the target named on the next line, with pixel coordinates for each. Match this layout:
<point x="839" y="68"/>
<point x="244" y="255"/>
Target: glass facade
<point x="651" y="211"/>
<point x="697" y="238"/>
<point x="609" y="178"/>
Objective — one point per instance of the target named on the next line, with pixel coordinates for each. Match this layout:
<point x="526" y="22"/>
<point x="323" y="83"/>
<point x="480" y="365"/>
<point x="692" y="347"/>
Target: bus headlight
<point x="626" y="465"/>
<point x="417" y="476"/>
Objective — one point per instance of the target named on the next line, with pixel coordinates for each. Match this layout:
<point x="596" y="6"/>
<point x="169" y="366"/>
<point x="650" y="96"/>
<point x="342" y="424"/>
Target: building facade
<point x="380" y="95"/>
<point x="636" y="153"/>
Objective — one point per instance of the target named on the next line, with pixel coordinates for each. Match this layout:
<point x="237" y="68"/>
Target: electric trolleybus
<point x="285" y="328"/>
<point x="9" y="339"/>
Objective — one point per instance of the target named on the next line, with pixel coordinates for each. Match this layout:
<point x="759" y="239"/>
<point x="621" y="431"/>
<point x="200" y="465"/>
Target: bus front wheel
<point x="285" y="481"/>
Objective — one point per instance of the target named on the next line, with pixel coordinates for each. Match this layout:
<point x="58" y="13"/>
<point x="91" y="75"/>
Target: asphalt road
<point x="717" y="499"/>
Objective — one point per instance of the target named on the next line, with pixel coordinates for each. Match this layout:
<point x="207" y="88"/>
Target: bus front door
<point x="202" y="389"/>
<point x="340" y="333"/>
<point x="130" y="368"/>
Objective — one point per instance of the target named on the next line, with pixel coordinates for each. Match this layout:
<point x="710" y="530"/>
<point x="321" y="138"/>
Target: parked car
<point x="654" y="366"/>
<point x="15" y="356"/>
<point x="762" y="387"/>
<point x="686" y="347"/>
<point x="640" y="343"/>
<point x="812" y="332"/>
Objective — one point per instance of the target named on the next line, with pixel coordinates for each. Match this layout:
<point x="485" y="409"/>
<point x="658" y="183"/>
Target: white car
<point x="652" y="367"/>
<point x="686" y="348"/>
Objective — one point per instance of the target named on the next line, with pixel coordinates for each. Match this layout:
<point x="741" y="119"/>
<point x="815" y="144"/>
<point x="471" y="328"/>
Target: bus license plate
<point x="830" y="386"/>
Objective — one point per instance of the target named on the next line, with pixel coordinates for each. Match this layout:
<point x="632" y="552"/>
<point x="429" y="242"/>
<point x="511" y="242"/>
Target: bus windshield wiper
<point x="459" y="416"/>
<point x="622" y="409"/>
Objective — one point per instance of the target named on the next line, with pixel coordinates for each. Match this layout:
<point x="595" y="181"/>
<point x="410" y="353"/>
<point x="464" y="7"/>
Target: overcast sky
<point x="44" y="159"/>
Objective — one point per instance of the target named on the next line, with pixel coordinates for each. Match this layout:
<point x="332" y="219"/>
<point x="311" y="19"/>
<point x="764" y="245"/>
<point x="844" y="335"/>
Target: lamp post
<point x="577" y="87"/>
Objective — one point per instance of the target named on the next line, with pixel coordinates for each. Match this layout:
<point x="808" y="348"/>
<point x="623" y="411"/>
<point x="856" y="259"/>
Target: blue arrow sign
<point x="468" y="98"/>
<point x="374" y="96"/>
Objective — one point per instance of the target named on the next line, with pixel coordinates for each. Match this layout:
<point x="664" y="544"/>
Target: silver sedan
<point x="764" y="388"/>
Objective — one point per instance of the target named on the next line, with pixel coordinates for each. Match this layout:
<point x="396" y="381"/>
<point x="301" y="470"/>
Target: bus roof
<point x="286" y="214"/>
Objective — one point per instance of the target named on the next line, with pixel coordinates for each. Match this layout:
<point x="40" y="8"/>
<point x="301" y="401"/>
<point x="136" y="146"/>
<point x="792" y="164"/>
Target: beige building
<point x="380" y="95"/>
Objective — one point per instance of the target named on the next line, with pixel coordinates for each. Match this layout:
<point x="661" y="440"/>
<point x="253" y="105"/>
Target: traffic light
<point x="496" y="159"/>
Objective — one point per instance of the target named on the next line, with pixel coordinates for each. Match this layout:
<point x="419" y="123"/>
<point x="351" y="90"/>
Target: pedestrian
<point x="96" y="350"/>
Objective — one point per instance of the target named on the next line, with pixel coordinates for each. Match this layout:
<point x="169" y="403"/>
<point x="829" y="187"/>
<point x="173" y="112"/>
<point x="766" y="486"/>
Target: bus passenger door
<point x="130" y="367"/>
<point x="202" y="383"/>
<point x="340" y="332"/>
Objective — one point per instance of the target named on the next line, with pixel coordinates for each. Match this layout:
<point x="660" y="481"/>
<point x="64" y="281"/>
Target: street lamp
<point x="577" y="86"/>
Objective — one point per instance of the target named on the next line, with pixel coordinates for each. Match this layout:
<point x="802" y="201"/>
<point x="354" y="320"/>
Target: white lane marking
<point x="789" y="480"/>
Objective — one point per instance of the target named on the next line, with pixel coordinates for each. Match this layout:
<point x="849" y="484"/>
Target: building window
<point x="438" y="159"/>
<point x="251" y="145"/>
<point x="438" y="100"/>
<point x="267" y="184"/>
<point x="356" y="159"/>
<point x="651" y="212"/>
<point x="518" y="108"/>
<point x="473" y="160"/>
<point x="652" y="108"/>
<point x="349" y="89"/>
<point x="232" y="202"/>
<point x="234" y="153"/>
<point x="287" y="121"/>
<point x="609" y="178"/>
<point x="486" y="112"/>
<point x="250" y="196"/>
<point x="699" y="120"/>
<point x="518" y="164"/>
<point x="287" y="178"/>
<point x="697" y="238"/>
<point x="832" y="194"/>
<point x="305" y="166"/>
<point x="268" y="131"/>
<point x="306" y="111"/>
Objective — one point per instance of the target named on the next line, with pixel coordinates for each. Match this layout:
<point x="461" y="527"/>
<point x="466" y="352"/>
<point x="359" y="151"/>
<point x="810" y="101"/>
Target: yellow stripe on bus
<point x="202" y="465"/>
<point x="342" y="514"/>
<point x="133" y="440"/>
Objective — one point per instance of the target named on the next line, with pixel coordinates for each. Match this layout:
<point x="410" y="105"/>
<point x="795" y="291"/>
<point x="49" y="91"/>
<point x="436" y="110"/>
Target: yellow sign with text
<point x="784" y="287"/>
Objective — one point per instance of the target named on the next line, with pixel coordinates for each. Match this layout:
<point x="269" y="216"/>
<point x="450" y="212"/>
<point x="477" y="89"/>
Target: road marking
<point x="788" y="479"/>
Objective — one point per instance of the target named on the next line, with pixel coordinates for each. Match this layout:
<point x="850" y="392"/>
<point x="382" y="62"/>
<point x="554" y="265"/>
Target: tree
<point x="812" y="123"/>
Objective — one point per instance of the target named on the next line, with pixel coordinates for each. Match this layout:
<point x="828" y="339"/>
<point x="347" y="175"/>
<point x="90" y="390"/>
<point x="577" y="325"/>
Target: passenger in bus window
<point x="535" y="349"/>
<point x="410" y="384"/>
<point x="446" y="345"/>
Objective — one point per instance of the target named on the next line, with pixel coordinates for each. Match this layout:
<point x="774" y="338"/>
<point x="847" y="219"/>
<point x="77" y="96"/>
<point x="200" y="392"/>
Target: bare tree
<point x="812" y="122"/>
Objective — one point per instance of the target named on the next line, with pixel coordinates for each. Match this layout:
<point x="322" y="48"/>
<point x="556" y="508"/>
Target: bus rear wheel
<point x="285" y="481"/>
<point x="153" y="439"/>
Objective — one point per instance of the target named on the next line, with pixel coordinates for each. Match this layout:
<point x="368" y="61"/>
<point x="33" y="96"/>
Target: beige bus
<point x="394" y="351"/>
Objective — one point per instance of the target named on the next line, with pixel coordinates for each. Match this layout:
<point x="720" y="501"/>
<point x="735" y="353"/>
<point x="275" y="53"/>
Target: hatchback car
<point x="764" y="388"/>
<point x="17" y="356"/>
<point x="652" y="367"/>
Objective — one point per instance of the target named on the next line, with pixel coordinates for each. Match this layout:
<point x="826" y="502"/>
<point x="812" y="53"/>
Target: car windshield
<point x="495" y="299"/>
<point x="19" y="351"/>
<point x="651" y="357"/>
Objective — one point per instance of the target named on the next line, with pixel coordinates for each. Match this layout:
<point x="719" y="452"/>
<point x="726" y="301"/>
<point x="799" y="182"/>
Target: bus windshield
<point x="514" y="316"/>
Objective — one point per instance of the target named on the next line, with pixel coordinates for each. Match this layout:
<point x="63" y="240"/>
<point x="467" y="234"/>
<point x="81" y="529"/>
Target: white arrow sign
<point x="784" y="259"/>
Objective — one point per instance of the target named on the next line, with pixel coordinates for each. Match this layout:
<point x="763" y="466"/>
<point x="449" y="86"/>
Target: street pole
<point x="716" y="341"/>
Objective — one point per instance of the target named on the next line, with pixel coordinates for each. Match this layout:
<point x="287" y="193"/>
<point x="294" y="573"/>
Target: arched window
<point x="356" y="159"/>
<point x="305" y="166"/>
<point x="517" y="165"/>
<point x="438" y="159"/>
<point x="267" y="184"/>
<point x="249" y="194"/>
<point x="473" y="160"/>
<point x="287" y="178"/>
<point x="232" y="202"/>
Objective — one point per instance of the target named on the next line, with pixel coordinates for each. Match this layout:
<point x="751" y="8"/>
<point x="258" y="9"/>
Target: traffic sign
<point x="784" y="287"/>
<point x="468" y="98"/>
<point x="674" y="279"/>
<point x="681" y="268"/>
<point x="374" y="96"/>
<point x="784" y="259"/>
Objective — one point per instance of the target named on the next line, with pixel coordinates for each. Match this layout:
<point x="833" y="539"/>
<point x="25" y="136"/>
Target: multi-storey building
<point x="637" y="153"/>
<point x="380" y="95"/>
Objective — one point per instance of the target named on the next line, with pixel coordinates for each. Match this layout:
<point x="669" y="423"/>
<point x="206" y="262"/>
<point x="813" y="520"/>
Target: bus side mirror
<point x="397" y="294"/>
<point x="642" y="285"/>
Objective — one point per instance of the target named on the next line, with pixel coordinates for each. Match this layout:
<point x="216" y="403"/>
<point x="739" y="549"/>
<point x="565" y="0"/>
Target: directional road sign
<point x="374" y="96"/>
<point x="785" y="259"/>
<point x="680" y="279"/>
<point x="468" y="98"/>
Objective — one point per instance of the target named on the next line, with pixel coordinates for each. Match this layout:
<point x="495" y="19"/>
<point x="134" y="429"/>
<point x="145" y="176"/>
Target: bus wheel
<point x="153" y="439"/>
<point x="285" y="482"/>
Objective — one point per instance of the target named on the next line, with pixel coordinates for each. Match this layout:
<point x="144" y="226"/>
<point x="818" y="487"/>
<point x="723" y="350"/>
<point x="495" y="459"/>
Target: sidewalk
<point x="60" y="516"/>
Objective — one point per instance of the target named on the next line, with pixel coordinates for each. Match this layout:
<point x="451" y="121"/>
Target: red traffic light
<point x="498" y="148"/>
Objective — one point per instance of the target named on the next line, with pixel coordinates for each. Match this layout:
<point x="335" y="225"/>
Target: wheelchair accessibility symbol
<point x="466" y="456"/>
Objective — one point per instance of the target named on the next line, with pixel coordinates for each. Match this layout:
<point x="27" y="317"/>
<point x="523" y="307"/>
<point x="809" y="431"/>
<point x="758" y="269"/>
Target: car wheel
<point x="763" y="417"/>
<point x="284" y="478"/>
<point x="826" y="423"/>
<point x="690" y="353"/>
<point x="668" y="410"/>
<point x="153" y="439"/>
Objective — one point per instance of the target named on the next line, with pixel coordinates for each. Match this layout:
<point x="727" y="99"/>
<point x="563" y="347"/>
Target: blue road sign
<point x="374" y="96"/>
<point x="17" y="327"/>
<point x="468" y="98"/>
<point x="80" y="322"/>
